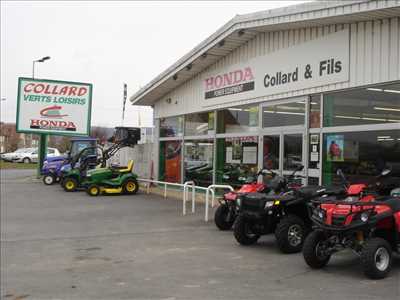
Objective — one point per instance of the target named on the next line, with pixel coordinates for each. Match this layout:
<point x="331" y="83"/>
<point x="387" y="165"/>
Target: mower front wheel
<point x="69" y="184"/>
<point x="376" y="258"/>
<point x="49" y="179"/>
<point x="130" y="186"/>
<point x="243" y="233"/>
<point x="93" y="190"/>
<point x="314" y="250"/>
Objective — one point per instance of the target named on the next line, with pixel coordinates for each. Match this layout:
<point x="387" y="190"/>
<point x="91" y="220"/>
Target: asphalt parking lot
<point x="58" y="245"/>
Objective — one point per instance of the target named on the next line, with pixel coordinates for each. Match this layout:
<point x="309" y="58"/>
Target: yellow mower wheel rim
<point x="69" y="185"/>
<point x="130" y="186"/>
<point x="94" y="190"/>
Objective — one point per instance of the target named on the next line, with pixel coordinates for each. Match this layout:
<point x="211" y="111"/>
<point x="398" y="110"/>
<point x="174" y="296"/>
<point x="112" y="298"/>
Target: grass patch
<point x="11" y="165"/>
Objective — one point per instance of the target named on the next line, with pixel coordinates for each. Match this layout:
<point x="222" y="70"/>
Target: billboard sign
<point x="53" y="107"/>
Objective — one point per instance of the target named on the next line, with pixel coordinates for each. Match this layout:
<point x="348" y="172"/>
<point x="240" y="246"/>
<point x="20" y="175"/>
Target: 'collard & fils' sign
<point x="311" y="64"/>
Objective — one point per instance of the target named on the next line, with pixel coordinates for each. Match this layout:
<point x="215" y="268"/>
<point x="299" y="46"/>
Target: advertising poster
<point x="172" y="161"/>
<point x="53" y="107"/>
<point x="335" y="148"/>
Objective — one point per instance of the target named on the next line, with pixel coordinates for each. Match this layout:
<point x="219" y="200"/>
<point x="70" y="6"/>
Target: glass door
<point x="292" y="156"/>
<point x="271" y="152"/>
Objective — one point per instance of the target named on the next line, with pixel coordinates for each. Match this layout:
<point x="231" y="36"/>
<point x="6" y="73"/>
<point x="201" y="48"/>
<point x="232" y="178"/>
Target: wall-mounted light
<point x="175" y="77"/>
<point x="221" y="43"/>
<point x="204" y="55"/>
<point x="240" y="32"/>
<point x="168" y="100"/>
<point x="189" y="67"/>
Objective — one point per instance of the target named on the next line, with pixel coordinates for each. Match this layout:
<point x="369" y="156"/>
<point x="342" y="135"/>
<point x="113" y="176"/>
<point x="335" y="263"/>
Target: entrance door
<point x="283" y="152"/>
<point x="292" y="156"/>
<point x="271" y="152"/>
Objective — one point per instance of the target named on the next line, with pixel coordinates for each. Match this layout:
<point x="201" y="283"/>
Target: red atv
<point x="365" y="222"/>
<point x="226" y="213"/>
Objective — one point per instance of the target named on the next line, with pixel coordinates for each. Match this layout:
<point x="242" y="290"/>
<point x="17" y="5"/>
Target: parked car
<point x="31" y="155"/>
<point x="11" y="156"/>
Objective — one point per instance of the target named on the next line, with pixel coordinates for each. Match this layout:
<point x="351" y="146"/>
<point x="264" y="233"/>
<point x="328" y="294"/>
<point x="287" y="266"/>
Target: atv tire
<point x="290" y="234"/>
<point x="130" y="186"/>
<point x="49" y="179"/>
<point x="221" y="215"/>
<point x="69" y="184"/>
<point x="93" y="190"/>
<point x="242" y="232"/>
<point x="310" y="250"/>
<point x="376" y="258"/>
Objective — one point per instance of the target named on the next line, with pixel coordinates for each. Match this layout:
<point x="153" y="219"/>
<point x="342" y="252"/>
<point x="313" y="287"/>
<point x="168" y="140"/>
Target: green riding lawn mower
<point x="102" y="179"/>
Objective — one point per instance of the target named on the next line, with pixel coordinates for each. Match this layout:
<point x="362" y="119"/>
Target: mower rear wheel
<point x="49" y="179"/>
<point x="290" y="233"/>
<point x="314" y="252"/>
<point x="130" y="186"/>
<point x="223" y="217"/>
<point x="93" y="190"/>
<point x="70" y="184"/>
<point x="242" y="232"/>
<point x="376" y="258"/>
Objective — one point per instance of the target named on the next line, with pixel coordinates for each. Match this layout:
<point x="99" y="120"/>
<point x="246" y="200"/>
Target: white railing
<point x="185" y="196"/>
<point x="186" y="186"/>
<point x="209" y="189"/>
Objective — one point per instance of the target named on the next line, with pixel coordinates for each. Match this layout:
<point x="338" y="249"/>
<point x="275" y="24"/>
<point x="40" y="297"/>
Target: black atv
<point x="283" y="211"/>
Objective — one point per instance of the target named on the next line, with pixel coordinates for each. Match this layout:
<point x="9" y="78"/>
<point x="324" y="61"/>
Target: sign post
<point x="53" y="107"/>
<point x="41" y="154"/>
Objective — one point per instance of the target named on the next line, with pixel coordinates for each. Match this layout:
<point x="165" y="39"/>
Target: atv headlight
<point x="364" y="217"/>
<point x="238" y="201"/>
<point x="269" y="204"/>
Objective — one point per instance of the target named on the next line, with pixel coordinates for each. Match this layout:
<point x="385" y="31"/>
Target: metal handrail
<point x="211" y="188"/>
<point x="185" y="191"/>
<point x="186" y="186"/>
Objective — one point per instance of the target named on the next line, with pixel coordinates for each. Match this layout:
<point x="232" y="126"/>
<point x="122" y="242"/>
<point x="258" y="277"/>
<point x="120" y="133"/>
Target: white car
<point x="11" y="156"/>
<point x="32" y="155"/>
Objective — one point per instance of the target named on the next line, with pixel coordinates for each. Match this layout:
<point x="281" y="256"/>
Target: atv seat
<point x="313" y="191"/>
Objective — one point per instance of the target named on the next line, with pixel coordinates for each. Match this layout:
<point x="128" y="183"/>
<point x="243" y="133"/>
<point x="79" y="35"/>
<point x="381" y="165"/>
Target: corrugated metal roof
<point x="243" y="28"/>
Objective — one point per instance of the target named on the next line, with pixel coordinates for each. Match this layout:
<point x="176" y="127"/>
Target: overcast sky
<point x="106" y="43"/>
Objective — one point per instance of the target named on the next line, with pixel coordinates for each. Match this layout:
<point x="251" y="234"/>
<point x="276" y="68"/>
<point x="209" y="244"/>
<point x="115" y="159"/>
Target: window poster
<point x="335" y="148"/>
<point x="249" y="155"/>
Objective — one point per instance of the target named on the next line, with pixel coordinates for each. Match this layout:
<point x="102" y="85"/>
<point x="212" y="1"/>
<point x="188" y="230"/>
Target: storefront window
<point x="236" y="160"/>
<point x="170" y="161"/>
<point x="171" y="127"/>
<point x="199" y="124"/>
<point x="199" y="162"/>
<point x="287" y="114"/>
<point x="315" y="111"/>
<point x="363" y="106"/>
<point x="361" y="155"/>
<point x="238" y="119"/>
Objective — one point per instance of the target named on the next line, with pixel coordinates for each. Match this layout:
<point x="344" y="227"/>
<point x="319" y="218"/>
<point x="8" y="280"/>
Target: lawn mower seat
<point x="127" y="169"/>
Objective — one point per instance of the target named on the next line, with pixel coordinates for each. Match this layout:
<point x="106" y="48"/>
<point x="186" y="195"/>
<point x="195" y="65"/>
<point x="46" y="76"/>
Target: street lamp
<point x="38" y="60"/>
<point x="43" y="137"/>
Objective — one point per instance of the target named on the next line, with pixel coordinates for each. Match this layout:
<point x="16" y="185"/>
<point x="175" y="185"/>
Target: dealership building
<point x="315" y="84"/>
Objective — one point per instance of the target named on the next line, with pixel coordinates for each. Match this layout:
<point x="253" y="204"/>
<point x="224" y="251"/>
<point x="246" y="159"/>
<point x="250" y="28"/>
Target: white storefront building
<point x="316" y="84"/>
